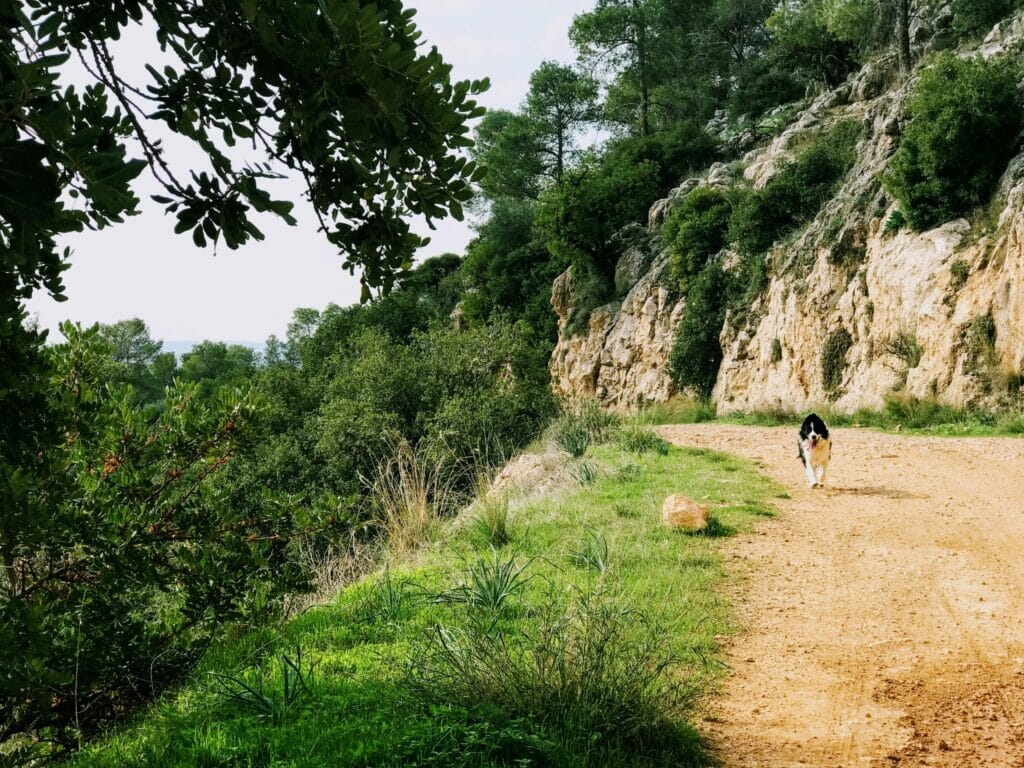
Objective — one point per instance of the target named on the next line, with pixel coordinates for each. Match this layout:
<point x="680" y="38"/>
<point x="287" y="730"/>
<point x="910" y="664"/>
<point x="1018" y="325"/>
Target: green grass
<point x="640" y="633"/>
<point x="677" y="411"/>
<point x="919" y="416"/>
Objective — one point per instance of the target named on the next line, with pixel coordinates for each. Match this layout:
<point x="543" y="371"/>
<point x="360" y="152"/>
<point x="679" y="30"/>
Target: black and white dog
<point x="815" y="449"/>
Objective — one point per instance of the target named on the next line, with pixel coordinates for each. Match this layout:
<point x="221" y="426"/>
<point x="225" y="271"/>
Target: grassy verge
<point x="900" y="414"/>
<point x="573" y="631"/>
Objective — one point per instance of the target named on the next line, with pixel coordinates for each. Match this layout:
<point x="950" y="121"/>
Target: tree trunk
<point x="903" y="34"/>
<point x="641" y="60"/>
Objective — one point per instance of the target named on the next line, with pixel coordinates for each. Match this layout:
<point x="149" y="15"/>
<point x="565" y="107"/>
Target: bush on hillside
<point x="694" y="231"/>
<point x="139" y="561"/>
<point x="796" y="192"/>
<point x="510" y="271"/>
<point x="579" y="218"/>
<point x="591" y="676"/>
<point x="833" y="359"/>
<point x="697" y="352"/>
<point x="806" y="44"/>
<point x="975" y="17"/>
<point x="965" y="120"/>
<point x="762" y="85"/>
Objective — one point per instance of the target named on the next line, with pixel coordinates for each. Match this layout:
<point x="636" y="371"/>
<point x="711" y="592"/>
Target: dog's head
<point x="813" y="430"/>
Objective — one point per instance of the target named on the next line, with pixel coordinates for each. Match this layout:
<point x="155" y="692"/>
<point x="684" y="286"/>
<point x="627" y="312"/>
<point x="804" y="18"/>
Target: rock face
<point x="621" y="359"/>
<point x="852" y="313"/>
<point x="684" y="514"/>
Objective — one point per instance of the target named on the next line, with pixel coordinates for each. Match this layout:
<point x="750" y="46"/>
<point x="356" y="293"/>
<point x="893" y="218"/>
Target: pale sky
<point x="142" y="269"/>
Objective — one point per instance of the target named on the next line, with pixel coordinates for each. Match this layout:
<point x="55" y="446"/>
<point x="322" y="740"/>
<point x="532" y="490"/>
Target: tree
<point x="136" y="360"/>
<point x="617" y="34"/>
<point x="388" y="121"/>
<point x="132" y="345"/>
<point x="510" y="271"/>
<point x="869" y="24"/>
<point x="340" y="93"/>
<point x="559" y="103"/>
<point x="214" y="364"/>
<point x="739" y="26"/>
<point x="508" y="146"/>
<point x="804" y="42"/>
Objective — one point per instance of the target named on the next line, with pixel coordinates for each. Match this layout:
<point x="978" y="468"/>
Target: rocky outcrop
<point x="852" y="312"/>
<point x="621" y="359"/>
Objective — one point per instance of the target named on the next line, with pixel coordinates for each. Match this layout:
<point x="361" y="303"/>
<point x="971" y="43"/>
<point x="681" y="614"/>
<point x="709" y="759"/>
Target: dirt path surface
<point x="883" y="615"/>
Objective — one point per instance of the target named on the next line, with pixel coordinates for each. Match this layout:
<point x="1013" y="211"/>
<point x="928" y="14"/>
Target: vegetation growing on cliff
<point x="965" y="120"/>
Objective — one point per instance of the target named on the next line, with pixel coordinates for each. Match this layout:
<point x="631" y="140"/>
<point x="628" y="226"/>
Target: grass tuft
<point x="492" y="524"/>
<point x="640" y="440"/>
<point x="678" y="410"/>
<point x="593" y="675"/>
<point x="591" y="552"/>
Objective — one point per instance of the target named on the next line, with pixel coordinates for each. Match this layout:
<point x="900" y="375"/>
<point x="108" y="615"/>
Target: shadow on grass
<point x="715" y="529"/>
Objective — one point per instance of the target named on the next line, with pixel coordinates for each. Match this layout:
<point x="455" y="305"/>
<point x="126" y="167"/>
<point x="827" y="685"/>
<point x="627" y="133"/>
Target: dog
<point x="815" y="448"/>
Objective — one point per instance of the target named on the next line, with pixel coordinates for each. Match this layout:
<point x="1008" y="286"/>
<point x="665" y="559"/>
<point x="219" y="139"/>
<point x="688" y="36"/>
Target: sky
<point x="142" y="269"/>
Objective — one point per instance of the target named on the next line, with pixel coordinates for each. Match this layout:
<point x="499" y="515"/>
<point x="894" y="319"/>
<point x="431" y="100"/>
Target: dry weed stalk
<point x="410" y="490"/>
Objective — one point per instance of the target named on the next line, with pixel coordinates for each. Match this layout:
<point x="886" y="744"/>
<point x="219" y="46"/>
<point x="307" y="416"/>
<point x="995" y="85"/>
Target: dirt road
<point x="883" y="615"/>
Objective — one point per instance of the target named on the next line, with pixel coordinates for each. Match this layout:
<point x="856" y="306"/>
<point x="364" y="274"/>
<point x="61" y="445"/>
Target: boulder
<point x="684" y="514"/>
<point x="632" y="265"/>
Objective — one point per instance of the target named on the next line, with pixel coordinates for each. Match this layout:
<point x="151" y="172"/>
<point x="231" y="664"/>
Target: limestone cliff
<point x="938" y="313"/>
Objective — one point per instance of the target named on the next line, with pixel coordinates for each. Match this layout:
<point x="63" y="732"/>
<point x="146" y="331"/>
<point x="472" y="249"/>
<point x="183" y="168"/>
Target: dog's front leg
<point x="812" y="479"/>
<point x="822" y="470"/>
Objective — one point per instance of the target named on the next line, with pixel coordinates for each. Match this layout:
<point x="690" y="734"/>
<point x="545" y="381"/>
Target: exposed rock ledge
<point x="621" y="360"/>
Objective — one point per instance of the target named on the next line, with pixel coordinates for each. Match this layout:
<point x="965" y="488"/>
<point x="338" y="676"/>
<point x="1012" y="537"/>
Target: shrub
<point x="593" y="676"/>
<point x="584" y="471"/>
<point x="249" y="691"/>
<point x="979" y="338"/>
<point x="591" y="552"/>
<point x="776" y="355"/>
<point x="408" y="492"/>
<point x="139" y="561"/>
<point x="579" y="218"/>
<point x="973" y="17"/>
<point x="640" y="440"/>
<point x="918" y="413"/>
<point x="582" y="424"/>
<point x="963" y="131"/>
<point x="761" y="85"/>
<point x="833" y="359"/>
<point x="510" y="271"/>
<point x="905" y="347"/>
<point x="490" y="584"/>
<point x="492" y="525"/>
<point x="697" y="351"/>
<point x="803" y="42"/>
<point x="390" y="599"/>
<point x="895" y="222"/>
<point x="694" y="231"/>
<point x="572" y="438"/>
<point x="679" y="410"/>
<point x="796" y="192"/>
<point x="960" y="270"/>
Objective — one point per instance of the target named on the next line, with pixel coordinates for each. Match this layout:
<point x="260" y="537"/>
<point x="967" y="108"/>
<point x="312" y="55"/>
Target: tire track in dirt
<point x="883" y="616"/>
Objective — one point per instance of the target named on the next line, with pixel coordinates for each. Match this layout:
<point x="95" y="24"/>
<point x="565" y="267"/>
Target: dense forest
<point x="152" y="506"/>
